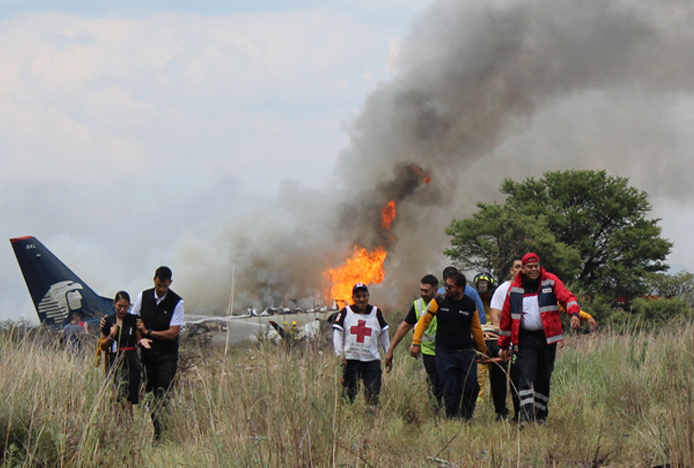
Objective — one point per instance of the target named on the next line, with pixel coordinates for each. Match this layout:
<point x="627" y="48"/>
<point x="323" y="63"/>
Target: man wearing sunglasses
<point x="530" y="319"/>
<point x="458" y="334"/>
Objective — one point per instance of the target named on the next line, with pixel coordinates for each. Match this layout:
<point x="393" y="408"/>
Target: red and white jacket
<point x="550" y="291"/>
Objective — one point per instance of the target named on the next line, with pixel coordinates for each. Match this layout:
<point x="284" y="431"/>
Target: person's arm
<point x="339" y="346"/>
<point x="385" y="340"/>
<point x="105" y="342"/>
<point x="141" y="340"/>
<point x="338" y="342"/>
<point x="476" y="328"/>
<point x="568" y="301"/>
<point x="177" y="316"/>
<point x="137" y="306"/>
<point x="400" y="333"/>
<point x="497" y="303"/>
<point x="169" y="334"/>
<point x="474" y="295"/>
<point x="106" y="334"/>
<point x="565" y="297"/>
<point x="584" y="317"/>
<point x="422" y="324"/>
<point x="505" y="325"/>
<point x="383" y="337"/>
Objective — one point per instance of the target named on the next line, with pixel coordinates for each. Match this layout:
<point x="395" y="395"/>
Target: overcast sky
<point x="130" y="129"/>
<point x="122" y="123"/>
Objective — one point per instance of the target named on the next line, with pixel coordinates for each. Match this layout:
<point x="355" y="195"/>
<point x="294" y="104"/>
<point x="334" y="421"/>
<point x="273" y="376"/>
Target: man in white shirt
<point x="161" y="318"/>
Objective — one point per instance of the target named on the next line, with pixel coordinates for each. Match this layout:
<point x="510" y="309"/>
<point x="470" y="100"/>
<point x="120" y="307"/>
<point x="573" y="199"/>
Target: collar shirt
<point x="177" y="318"/>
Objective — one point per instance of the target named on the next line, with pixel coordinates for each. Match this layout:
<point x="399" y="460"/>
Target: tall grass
<point x="617" y="400"/>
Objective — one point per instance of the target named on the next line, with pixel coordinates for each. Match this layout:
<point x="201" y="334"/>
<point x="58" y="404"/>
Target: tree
<point x="585" y="225"/>
<point x="491" y="239"/>
<point x="680" y="285"/>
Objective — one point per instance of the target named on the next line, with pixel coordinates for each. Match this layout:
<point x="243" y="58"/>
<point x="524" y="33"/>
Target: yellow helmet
<point x="485" y="282"/>
<point x="285" y="323"/>
<point x="293" y="323"/>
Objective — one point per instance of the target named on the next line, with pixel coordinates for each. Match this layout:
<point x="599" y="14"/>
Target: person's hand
<point x="575" y="322"/>
<point x="342" y="361"/>
<point x="389" y="362"/>
<point x="145" y="343"/>
<point x="592" y="324"/>
<point x="114" y="331"/>
<point x="141" y="326"/>
<point x="102" y="322"/>
<point x="415" y="351"/>
<point x="503" y="354"/>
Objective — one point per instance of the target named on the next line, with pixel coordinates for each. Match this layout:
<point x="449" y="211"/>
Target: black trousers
<point x="126" y="372"/>
<point x="498" y="377"/>
<point x="433" y="379"/>
<point x="369" y="373"/>
<point x="458" y="372"/>
<point x="514" y="375"/>
<point x="160" y="374"/>
<point x="535" y="365"/>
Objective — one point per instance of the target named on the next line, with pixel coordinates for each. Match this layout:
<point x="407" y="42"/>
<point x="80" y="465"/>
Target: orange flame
<point x="362" y="267"/>
<point x="388" y="215"/>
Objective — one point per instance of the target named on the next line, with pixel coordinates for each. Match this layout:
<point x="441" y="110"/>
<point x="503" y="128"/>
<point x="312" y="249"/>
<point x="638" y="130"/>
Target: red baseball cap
<point x="530" y="258"/>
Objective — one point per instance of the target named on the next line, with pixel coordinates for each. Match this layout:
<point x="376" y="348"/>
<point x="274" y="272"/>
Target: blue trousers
<point x="435" y="385"/>
<point x="458" y="373"/>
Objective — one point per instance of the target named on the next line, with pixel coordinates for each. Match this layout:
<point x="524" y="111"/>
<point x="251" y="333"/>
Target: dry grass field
<point x="622" y="400"/>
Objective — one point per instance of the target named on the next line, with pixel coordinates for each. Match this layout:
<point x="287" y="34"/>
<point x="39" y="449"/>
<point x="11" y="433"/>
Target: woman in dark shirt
<point x="119" y="337"/>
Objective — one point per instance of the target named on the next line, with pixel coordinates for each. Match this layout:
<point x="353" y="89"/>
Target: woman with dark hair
<point x="120" y="337"/>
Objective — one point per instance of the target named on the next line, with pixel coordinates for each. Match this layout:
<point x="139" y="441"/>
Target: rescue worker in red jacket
<point x="531" y="320"/>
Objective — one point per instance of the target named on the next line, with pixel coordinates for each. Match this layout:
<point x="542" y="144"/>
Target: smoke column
<point x="485" y="90"/>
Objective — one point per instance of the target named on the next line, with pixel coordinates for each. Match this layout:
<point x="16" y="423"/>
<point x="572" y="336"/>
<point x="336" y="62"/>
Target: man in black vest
<point x="161" y="318"/>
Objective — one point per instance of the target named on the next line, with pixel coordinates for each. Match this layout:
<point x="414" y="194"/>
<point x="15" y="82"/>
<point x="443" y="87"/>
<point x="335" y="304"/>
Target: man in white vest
<point x="357" y="332"/>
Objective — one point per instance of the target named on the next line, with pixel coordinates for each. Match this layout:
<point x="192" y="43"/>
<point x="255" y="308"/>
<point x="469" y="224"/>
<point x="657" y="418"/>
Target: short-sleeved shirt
<point x="411" y="317"/>
<point x="499" y="296"/>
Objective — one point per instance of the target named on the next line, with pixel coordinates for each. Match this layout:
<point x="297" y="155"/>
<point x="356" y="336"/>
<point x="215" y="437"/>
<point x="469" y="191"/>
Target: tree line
<point x="589" y="228"/>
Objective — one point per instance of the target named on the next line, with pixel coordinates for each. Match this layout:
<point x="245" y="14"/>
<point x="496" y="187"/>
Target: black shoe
<point x="501" y="417"/>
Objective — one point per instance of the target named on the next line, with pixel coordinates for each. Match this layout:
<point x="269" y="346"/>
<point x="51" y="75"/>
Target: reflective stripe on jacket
<point x="550" y="291"/>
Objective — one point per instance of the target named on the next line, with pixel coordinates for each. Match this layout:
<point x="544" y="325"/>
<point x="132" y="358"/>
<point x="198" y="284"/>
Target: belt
<point x="129" y="348"/>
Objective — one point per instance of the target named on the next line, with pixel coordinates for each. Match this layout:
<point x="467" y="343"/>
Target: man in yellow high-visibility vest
<point x="427" y="289"/>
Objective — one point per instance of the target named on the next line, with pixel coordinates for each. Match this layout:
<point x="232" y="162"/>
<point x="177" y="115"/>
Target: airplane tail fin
<point x="55" y="290"/>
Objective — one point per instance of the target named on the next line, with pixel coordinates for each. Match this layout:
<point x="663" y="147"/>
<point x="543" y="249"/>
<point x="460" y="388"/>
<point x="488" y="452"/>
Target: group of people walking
<point x="152" y="325"/>
<point x="509" y="332"/>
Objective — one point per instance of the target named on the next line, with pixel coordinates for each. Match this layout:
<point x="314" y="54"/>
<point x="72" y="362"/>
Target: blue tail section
<point x="55" y="290"/>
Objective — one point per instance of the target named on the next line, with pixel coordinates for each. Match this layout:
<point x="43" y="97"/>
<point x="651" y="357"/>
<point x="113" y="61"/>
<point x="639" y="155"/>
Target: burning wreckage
<point x="57" y="292"/>
<point x="364" y="265"/>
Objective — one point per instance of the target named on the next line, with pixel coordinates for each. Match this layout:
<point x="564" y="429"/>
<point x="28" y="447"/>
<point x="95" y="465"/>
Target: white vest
<point x="361" y="333"/>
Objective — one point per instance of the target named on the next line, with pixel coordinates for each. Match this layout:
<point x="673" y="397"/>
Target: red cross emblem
<point x="361" y="330"/>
